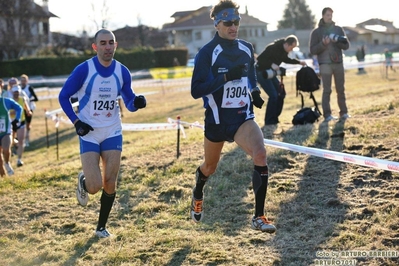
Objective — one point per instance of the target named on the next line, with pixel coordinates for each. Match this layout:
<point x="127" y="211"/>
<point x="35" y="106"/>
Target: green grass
<point x="315" y="203"/>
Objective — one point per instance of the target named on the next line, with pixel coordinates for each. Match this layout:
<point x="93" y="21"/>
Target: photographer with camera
<point x="327" y="42"/>
<point x="268" y="69"/>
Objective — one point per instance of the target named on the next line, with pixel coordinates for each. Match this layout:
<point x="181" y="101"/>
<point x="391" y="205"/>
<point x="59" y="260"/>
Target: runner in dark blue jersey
<point x="224" y="77"/>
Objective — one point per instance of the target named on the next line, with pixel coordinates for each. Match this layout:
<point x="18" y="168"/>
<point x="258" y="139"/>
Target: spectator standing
<point x="327" y="41"/>
<point x="224" y="77"/>
<point x="360" y="56"/>
<point x="388" y="61"/>
<point x="32" y="98"/>
<point x="267" y="69"/>
<point x="97" y="83"/>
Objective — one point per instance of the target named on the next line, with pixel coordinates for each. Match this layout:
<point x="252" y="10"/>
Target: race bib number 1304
<point x="235" y="93"/>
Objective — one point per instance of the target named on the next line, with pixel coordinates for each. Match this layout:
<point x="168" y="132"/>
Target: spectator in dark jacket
<point x="268" y="68"/>
<point x="360" y="55"/>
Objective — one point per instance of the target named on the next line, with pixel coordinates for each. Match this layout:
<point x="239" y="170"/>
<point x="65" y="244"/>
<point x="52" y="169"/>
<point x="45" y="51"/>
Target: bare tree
<point x="100" y="17"/>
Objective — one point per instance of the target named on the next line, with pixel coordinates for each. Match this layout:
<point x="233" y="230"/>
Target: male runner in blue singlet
<point x="97" y="84"/>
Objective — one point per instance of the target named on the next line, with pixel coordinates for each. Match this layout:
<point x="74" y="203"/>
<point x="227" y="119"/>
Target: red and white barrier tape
<point x="337" y="156"/>
<point x="331" y="155"/>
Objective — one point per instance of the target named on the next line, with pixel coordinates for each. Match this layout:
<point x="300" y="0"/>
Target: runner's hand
<point x="82" y="128"/>
<point x="140" y="101"/>
<point x="234" y="73"/>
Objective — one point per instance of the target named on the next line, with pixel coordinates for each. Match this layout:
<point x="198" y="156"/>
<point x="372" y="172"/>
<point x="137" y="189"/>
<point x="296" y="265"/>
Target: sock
<point x="260" y="180"/>
<point x="200" y="183"/>
<point x="106" y="202"/>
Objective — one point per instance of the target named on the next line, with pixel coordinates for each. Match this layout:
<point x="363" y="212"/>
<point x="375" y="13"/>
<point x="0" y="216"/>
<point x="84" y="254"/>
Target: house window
<point x="45" y="28"/>
<point x="40" y="28"/>
<point x="198" y="35"/>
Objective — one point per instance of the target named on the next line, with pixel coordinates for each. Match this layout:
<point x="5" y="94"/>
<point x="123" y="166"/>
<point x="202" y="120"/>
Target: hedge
<point x="139" y="58"/>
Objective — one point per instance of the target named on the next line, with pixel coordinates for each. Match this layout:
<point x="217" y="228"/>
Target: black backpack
<point x="306" y="115"/>
<point x="307" y="81"/>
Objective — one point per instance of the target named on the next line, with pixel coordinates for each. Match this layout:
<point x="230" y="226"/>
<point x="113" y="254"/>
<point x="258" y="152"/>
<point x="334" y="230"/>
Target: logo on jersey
<point x="216" y="52"/>
<point x="104" y="96"/>
<point x="222" y="70"/>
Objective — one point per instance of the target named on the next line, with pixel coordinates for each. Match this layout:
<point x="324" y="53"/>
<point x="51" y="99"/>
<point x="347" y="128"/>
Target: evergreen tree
<point x="297" y="15"/>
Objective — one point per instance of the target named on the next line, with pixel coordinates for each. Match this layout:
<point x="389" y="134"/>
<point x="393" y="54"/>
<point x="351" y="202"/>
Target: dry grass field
<point x="323" y="209"/>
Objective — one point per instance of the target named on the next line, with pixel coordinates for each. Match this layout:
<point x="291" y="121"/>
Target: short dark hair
<point x="290" y="39"/>
<point x="101" y="32"/>
<point x="223" y="4"/>
<point x="326" y="9"/>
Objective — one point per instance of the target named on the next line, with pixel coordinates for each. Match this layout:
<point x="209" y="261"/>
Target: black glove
<point x="234" y="73"/>
<point x="82" y="128"/>
<point x="15" y="124"/>
<point x="256" y="98"/>
<point x="140" y="101"/>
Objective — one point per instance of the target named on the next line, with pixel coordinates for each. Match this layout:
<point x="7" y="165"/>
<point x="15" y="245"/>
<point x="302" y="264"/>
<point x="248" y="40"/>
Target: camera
<point x="271" y="73"/>
<point x="338" y="38"/>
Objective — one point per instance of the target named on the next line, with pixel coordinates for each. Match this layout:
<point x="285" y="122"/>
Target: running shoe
<point x="103" y="233"/>
<point x="261" y="223"/>
<point x="81" y="194"/>
<point x="9" y="169"/>
<point x="196" y="209"/>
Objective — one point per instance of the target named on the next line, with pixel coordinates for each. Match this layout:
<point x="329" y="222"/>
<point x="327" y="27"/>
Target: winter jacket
<point x="274" y="53"/>
<point x="332" y="52"/>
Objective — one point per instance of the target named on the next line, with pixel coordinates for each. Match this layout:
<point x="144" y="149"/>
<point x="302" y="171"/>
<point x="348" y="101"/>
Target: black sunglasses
<point x="230" y="23"/>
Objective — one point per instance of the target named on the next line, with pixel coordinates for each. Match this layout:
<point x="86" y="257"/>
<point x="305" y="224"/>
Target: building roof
<point x="374" y="25"/>
<point x="376" y="21"/>
<point x="201" y="17"/>
<point x="7" y="9"/>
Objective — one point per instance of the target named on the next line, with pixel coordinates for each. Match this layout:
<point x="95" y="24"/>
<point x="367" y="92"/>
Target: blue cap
<point x="228" y="14"/>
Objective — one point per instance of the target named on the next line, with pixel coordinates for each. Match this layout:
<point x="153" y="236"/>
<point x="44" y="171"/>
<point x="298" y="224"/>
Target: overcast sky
<point x="78" y="15"/>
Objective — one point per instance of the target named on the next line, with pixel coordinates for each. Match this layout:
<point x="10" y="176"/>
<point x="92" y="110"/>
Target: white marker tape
<point x="337" y="156"/>
<point x="191" y="125"/>
<point x="57" y="111"/>
<point x="152" y="127"/>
